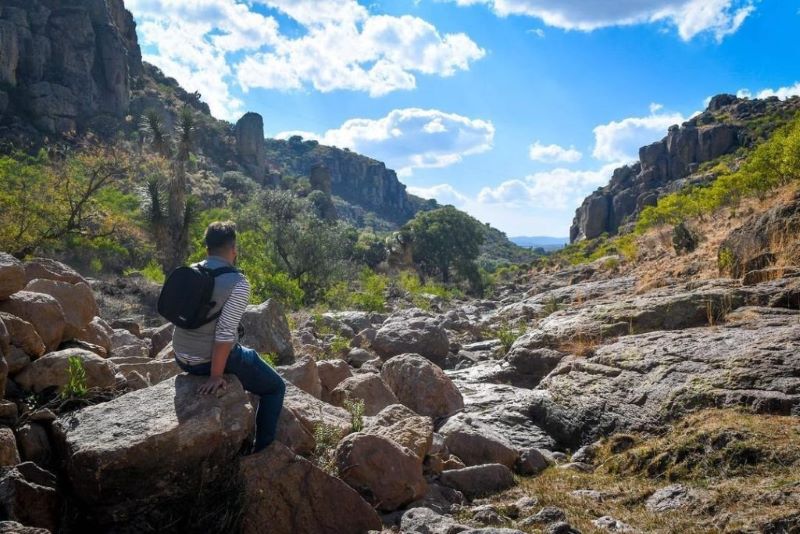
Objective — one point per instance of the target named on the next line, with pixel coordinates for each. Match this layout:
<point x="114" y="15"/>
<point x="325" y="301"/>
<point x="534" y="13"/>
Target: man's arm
<point x="225" y="335"/>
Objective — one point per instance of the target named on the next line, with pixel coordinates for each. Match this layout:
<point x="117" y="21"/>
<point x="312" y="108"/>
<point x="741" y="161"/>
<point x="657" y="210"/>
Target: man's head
<point x="220" y="240"/>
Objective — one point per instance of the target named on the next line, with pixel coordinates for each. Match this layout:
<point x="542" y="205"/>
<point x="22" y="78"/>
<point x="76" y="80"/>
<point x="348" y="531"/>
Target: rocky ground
<point x="577" y="400"/>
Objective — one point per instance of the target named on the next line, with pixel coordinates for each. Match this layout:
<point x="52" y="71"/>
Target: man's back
<point x="196" y="346"/>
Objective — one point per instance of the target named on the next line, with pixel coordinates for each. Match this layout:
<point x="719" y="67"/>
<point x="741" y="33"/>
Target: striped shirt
<point x="232" y="312"/>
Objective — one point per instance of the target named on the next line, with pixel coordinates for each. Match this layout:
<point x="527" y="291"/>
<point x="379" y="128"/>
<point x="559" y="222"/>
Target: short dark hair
<point x="220" y="235"/>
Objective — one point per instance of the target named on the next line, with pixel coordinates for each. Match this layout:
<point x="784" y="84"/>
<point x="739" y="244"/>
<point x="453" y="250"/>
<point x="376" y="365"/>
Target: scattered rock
<point x="34" y="444"/>
<point x="49" y="269"/>
<point x="331" y="374"/>
<point x="426" y="521"/>
<point x="286" y="493"/>
<point x="386" y="474"/>
<point x="358" y="357"/>
<point x="545" y="516"/>
<point x="76" y="300"/>
<point x="97" y="332"/>
<point x="415" y="433"/>
<point x="479" y="480"/>
<point x="9" y="455"/>
<point x="12" y="275"/>
<point x="670" y="498"/>
<point x="51" y="370"/>
<point x="613" y="525"/>
<point x="532" y="462"/>
<point x="303" y="374"/>
<point x="22" y="334"/>
<point x="367" y="387"/>
<point x="421" y="385"/>
<point x="476" y="444"/>
<point x="42" y="311"/>
<point x="412" y="331"/>
<point x="266" y="330"/>
<point x="28" y="496"/>
<point x="440" y="499"/>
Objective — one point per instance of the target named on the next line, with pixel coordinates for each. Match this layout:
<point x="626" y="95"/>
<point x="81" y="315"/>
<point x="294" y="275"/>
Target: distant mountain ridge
<point x="539" y="241"/>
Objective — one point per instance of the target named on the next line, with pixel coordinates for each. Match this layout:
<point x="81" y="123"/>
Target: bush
<point x="326" y="437"/>
<point x="76" y="379"/>
<point x="356" y="409"/>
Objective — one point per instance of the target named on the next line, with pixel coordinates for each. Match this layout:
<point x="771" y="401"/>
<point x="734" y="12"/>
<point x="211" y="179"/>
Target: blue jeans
<point x="258" y="378"/>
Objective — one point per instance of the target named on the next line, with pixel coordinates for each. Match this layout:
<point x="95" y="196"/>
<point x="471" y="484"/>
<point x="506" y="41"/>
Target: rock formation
<point x="669" y="164"/>
<point x="65" y="63"/>
<point x="250" y="144"/>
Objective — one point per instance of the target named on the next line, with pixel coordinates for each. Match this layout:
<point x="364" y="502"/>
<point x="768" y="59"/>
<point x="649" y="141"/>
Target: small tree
<point x="445" y="239"/>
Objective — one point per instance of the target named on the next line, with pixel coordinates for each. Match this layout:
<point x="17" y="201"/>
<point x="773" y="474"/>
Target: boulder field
<point x="423" y="417"/>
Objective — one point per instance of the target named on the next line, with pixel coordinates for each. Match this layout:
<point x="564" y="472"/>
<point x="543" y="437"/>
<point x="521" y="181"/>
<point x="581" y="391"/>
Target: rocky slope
<point x="595" y="406"/>
<point x="727" y="125"/>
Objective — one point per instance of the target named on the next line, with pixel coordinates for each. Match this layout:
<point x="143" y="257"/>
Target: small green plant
<point x="152" y="271"/>
<point x="76" y="379"/>
<point x="326" y="438"/>
<point x="338" y="346"/>
<point x="270" y="358"/>
<point x="725" y="260"/>
<point x="551" y="306"/>
<point x="508" y="334"/>
<point x="356" y="409"/>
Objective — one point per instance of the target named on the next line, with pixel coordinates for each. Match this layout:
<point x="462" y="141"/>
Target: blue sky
<point x="513" y="110"/>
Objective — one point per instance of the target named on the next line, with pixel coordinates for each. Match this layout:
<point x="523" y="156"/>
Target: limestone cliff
<point x="728" y="124"/>
<point x="64" y="63"/>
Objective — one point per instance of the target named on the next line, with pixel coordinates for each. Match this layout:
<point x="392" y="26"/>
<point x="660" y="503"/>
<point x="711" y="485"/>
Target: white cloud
<point x="554" y="189"/>
<point x="781" y="92"/>
<point x="690" y="17"/>
<point x="411" y="138"/>
<point x="554" y="153"/>
<point x="208" y="45"/>
<point x="538" y="32"/>
<point x="442" y="193"/>
<point x="620" y="140"/>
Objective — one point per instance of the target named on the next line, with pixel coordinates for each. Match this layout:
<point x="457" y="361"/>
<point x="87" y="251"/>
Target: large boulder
<point x="28" y="495"/>
<point x="422" y="385"/>
<point x="127" y="458"/>
<point x="266" y="330"/>
<point x="12" y="275"/>
<point x="9" y="454"/>
<point x="476" y="443"/>
<point x="303" y="374"/>
<point x="250" y="144"/>
<point x="23" y="335"/>
<point x="48" y="269"/>
<point x="415" y="433"/>
<point x="366" y="387"/>
<point x="51" y="370"/>
<point x="142" y="372"/>
<point x="412" y="331"/>
<point x="97" y="332"/>
<point x="42" y="311"/>
<point x="478" y="480"/>
<point x="76" y="300"/>
<point x="386" y="474"/>
<point x="302" y="414"/>
<point x="126" y="344"/>
<point x="331" y="374"/>
<point x="284" y="493"/>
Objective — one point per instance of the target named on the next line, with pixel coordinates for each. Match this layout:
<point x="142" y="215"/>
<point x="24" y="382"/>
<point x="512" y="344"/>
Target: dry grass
<point x="658" y="262"/>
<point x="746" y="466"/>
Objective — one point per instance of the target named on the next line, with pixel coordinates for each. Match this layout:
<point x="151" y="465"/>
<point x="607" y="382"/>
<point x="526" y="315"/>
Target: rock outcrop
<point x="250" y="144"/>
<point x="116" y="451"/>
<point x="64" y="63"/>
<point x="672" y="163"/>
<point x="267" y="331"/>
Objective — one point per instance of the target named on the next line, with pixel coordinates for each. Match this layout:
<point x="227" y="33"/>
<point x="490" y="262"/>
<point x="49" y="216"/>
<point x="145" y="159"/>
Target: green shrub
<point x="76" y="386"/>
<point x="326" y="438"/>
<point x="339" y="346"/>
<point x="270" y="358"/>
<point x="508" y="334"/>
<point x="356" y="409"/>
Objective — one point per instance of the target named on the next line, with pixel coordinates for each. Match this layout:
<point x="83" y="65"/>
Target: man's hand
<point x="212" y="385"/>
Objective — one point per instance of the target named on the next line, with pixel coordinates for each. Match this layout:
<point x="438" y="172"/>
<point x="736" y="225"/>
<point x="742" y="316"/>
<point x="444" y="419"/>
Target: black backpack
<point x="185" y="299"/>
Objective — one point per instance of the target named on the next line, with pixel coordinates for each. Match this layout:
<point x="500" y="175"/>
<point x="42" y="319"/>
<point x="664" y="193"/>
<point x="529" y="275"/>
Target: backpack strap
<point x="223" y="270"/>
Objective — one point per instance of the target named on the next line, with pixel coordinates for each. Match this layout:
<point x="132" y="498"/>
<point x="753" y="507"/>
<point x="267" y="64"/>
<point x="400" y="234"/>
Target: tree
<point x="312" y="251"/>
<point x="47" y="199"/>
<point x="445" y="239"/>
<point x="168" y="206"/>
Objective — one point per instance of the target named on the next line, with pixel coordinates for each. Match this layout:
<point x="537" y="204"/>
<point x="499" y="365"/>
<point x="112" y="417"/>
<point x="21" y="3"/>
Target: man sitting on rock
<point x="213" y="349"/>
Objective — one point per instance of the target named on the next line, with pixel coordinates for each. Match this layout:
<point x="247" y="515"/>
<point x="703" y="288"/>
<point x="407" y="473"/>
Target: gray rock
<point x="532" y="462"/>
<point x="266" y="330"/>
<point x="366" y="387"/>
<point x="671" y="498"/>
<point x="613" y="525"/>
<point x="331" y="374"/>
<point x="188" y="442"/>
<point x="358" y="357"/>
<point x="412" y="331"/>
<point x="250" y="143"/>
<point x="51" y="371"/>
<point x="426" y="521"/>
<point x="28" y="495"/>
<point x="34" y="444"/>
<point x="421" y="385"/>
<point x="478" y="480"/>
<point x="476" y="443"/>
